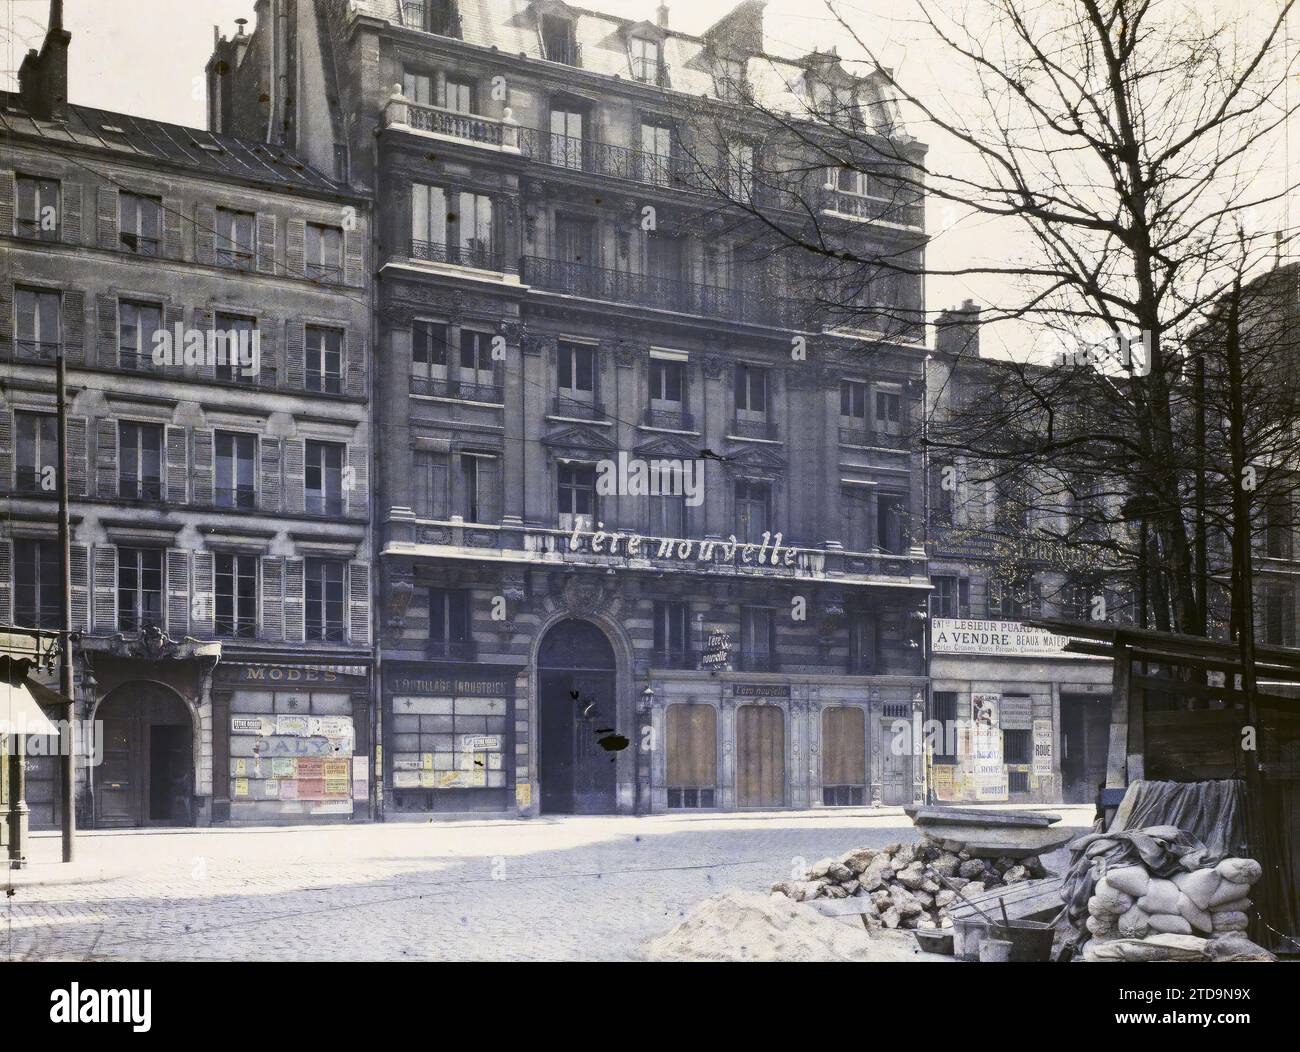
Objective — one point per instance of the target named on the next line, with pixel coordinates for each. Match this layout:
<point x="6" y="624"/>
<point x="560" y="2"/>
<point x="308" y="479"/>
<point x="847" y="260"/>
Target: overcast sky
<point x="146" y="57"/>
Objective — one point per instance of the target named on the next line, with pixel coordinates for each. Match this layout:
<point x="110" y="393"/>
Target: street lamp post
<point x="644" y="711"/>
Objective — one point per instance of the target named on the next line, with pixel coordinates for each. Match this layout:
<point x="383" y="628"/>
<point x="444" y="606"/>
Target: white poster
<point x="1043" y="748"/>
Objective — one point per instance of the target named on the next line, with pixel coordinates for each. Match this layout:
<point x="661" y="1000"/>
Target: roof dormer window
<point x="729" y="78"/>
<point x="560" y="40"/>
<point x="647" y="67"/>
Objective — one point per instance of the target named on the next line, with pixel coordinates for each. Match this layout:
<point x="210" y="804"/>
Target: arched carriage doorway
<point x="577" y="707"/>
<point x="147" y="773"/>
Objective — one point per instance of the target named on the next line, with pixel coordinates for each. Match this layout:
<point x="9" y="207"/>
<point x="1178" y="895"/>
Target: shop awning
<point x="21" y="713"/>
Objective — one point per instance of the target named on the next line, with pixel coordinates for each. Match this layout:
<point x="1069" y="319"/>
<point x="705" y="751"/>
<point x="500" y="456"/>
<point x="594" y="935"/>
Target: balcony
<point x="616" y="162"/>
<point x="646" y="71"/>
<point x="138" y="361"/>
<point x="451" y="650"/>
<point x="764" y="429"/>
<point x="578" y="408"/>
<point x="684" y="297"/>
<point x="668" y="419"/>
<point x="235" y="496"/>
<point x="464" y="390"/>
<point x="474" y="254"/>
<point x="564" y="50"/>
<point x="46" y="351"/>
<point x="496" y="134"/>
<point x="675" y="658"/>
<point x="872" y="209"/>
<point x="862" y="436"/>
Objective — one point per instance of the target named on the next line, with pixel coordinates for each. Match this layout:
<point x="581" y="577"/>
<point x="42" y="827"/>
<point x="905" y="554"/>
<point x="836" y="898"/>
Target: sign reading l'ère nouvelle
<point x="952" y="635"/>
<point x="717" y="651"/>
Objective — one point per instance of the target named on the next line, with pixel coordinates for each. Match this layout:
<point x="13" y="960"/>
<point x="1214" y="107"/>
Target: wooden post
<point x="1117" y="754"/>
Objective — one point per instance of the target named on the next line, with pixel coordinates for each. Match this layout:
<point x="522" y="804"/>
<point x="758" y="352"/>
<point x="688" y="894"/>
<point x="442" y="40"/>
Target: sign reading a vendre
<point x="953" y="635"/>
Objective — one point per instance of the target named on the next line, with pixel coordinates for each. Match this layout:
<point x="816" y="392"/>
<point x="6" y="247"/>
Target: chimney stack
<point x="957" y="331"/>
<point x="661" y="16"/>
<point x="43" y="76"/>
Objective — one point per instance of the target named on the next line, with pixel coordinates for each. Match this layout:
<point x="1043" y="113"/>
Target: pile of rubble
<point x="902" y="881"/>
<point x="1131" y="902"/>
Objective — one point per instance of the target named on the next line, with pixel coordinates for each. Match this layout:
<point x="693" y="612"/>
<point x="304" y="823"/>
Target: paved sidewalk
<point x="541" y="889"/>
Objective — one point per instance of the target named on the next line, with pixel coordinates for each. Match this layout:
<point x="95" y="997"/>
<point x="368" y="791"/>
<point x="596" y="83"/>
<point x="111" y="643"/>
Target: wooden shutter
<point x="489" y="482"/>
<point x="203" y="601"/>
<point x="265" y="243"/>
<point x="205" y="322"/>
<point x="74" y="326"/>
<point x="173" y="231"/>
<point x="105" y="598"/>
<point x="107" y="218"/>
<point x="6" y="319"/>
<point x="106" y="457"/>
<point x="8" y="198"/>
<point x="295" y="629"/>
<point x="844" y="746"/>
<point x="354" y="258"/>
<point x="6" y="581"/>
<point x="295" y="471"/>
<point x="6" y="448"/>
<point x="106" y="331"/>
<point x="202" y="470"/>
<point x="205" y="234"/>
<point x="356" y="361"/>
<point x="295" y="354"/>
<point x="358" y="493"/>
<point x="359" y="602"/>
<point x="177" y="465"/>
<point x="692" y="745"/>
<point x="71" y="193"/>
<point x="760" y="756"/>
<point x="178" y="592"/>
<point x="79" y="570"/>
<point x="78" y="463"/>
<point x="295" y="247"/>
<point x="269" y="342"/>
<point x="272" y="598"/>
<point x="269" y="469"/>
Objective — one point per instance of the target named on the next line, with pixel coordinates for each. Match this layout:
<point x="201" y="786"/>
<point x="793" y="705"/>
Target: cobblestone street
<point x="551" y="889"/>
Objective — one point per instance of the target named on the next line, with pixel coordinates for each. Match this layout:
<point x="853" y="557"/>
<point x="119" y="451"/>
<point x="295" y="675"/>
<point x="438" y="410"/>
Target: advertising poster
<point x="1042" y="748"/>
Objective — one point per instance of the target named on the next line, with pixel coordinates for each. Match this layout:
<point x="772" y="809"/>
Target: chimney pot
<point x="661" y="16"/>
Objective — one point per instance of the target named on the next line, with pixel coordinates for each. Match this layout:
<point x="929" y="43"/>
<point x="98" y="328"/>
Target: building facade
<point x="562" y="305"/>
<point x="208" y="297"/>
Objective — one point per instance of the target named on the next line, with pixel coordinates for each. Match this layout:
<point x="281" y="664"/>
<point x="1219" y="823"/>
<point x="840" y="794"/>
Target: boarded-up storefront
<point x="760" y="756"/>
<point x="844" y="755"/>
<point x="692" y="733"/>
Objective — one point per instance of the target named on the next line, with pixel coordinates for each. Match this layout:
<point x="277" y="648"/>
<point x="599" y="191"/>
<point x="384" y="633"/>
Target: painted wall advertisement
<point x="954" y="635"/>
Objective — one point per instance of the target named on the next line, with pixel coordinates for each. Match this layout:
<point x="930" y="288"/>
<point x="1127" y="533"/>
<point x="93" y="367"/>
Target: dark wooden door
<point x="760" y="756"/>
<point x="147" y="776"/>
<point x="844" y="755"/>
<point x="119" y="783"/>
<point x="577" y="771"/>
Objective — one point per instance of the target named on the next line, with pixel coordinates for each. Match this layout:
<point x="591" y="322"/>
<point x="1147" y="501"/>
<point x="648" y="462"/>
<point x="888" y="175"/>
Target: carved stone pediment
<point x="581" y="439"/>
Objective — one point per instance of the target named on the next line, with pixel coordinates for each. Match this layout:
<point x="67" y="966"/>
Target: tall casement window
<point x="891" y="524"/>
<point x="236" y="579"/>
<point x="575" y="377"/>
<point x="236" y="467"/>
<point x="234" y="239"/>
<point x="889" y="411"/>
<point x="324" y="348"/>
<point x="37" y="445"/>
<point x="645" y="60"/>
<point x="429" y="484"/>
<point x="567" y="146"/>
<point x="943" y="492"/>
<point x="38" y="328"/>
<point x="417" y="86"/>
<point x="729" y="78"/>
<point x="576" y="496"/>
<point x="140" y="221"/>
<point x="429" y="349"/>
<point x="672" y="642"/>
<point x="1014" y="600"/>
<point x="475" y="360"/>
<point x="951" y="596"/>
<point x="480" y="487"/>
<point x="1278" y="527"/>
<point x="433" y="16"/>
<point x="324" y="596"/>
<point x="656" y="154"/>
<point x="757" y="639"/>
<point x="864" y="635"/>
<point x="751" y="394"/>
<point x="137" y="327"/>
<point x="1279" y="614"/>
<point x="753" y="509"/>
<point x="739" y="170"/>
<point x="324" y="478"/>
<point x="37" y="212"/>
<point x="460" y="96"/>
<point x="853" y="410"/>
<point x="664" y="261"/>
<point x="139" y="588"/>
<point x="452" y="228"/>
<point x="324" y="253"/>
<point x="36" y="585"/>
<point x="559" y="41"/>
<point x="668" y="515"/>
<point x="668" y="394"/>
<point x="449" y="624"/>
<point x="139" y="460"/>
<point x="238" y="332"/>
<point x="855" y="513"/>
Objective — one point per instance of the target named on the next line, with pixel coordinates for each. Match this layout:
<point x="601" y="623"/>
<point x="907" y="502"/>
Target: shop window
<point x="325" y="599"/>
<point x="139" y="588"/>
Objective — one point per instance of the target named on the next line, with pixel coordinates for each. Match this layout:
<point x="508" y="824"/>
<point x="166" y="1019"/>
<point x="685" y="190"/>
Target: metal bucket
<point x="1030" y="940"/>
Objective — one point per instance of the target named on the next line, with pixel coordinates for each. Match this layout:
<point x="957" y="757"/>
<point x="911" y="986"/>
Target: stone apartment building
<point x="545" y="642"/>
<point x="221" y="554"/>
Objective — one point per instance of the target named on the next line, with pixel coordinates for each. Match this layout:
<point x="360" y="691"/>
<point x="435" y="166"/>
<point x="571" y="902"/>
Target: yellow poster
<point x="427" y="779"/>
<point x="945" y="787"/>
<point x="241" y="786"/>
<point x="428" y="761"/>
<point x="524" y="794"/>
<point x="241" y="767"/>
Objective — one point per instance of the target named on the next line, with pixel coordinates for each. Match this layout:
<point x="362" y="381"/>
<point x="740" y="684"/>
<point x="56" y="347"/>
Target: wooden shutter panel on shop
<point x="760" y="756"/>
<point x="359" y="602"/>
<point x="295" y="355"/>
<point x="692" y="744"/>
<point x="358" y="493"/>
<point x="272" y="598"/>
<point x="265" y="243"/>
<point x="107" y="218"/>
<point x="178" y="592"/>
<point x="356" y="361"/>
<point x="205" y="234"/>
<point x="178" y="472"/>
<point x="269" y="343"/>
<point x="6" y="318"/>
<point x="74" y="326"/>
<point x="269" y="470"/>
<point x="295" y="471"/>
<point x="6" y="581"/>
<point x="106" y="331"/>
<point x="201" y="469"/>
<point x="354" y="258"/>
<point x="8" y="200"/>
<point x="173" y="231"/>
<point x="71" y="194"/>
<point x="295" y="247"/>
<point x="844" y="746"/>
<point x="6" y="446"/>
<point x="295" y="628"/>
<point x="78" y="462"/>
<point x="79" y="571"/>
<point x="205" y="322"/>
<point x="105" y="597"/>
<point x="106" y="457"/>
<point x="203" y="599"/>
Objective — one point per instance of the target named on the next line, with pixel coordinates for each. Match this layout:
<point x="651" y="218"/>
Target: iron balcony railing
<point x="235" y="496"/>
<point x="131" y="487"/>
<point x="138" y="361"/>
<point x="36" y="350"/>
<point x="872" y="209"/>
<point x="466" y="390"/>
<point x="473" y="254"/>
<point x="578" y="407"/>
<point x="432" y="17"/>
<point x="685" y="297"/>
<point x="566" y="52"/>
<point x="599" y="158"/>
<point x="861" y="436"/>
<point x="649" y="71"/>
<point x="670" y="419"/>
<point x="742" y="428"/>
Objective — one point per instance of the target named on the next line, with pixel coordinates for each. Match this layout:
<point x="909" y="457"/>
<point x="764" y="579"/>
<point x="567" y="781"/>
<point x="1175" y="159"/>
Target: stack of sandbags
<point x="901" y="881"/>
<point x="1130" y="902"/>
